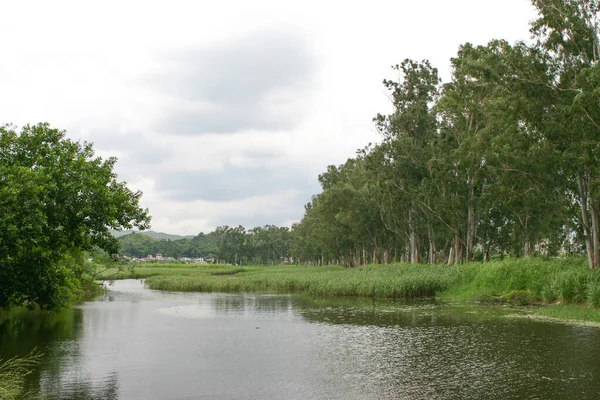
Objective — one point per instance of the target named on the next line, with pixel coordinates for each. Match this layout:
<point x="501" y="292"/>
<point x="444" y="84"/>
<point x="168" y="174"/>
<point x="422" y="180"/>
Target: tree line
<point x="140" y="245"/>
<point x="267" y="244"/>
<point x="502" y="159"/>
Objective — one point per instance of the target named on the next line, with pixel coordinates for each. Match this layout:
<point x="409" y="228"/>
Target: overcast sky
<point x="225" y="112"/>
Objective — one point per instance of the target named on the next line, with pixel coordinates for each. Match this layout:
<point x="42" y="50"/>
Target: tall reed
<point x="528" y="280"/>
<point x="13" y="374"/>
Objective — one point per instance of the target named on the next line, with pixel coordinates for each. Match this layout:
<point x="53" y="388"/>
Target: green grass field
<point x="518" y="282"/>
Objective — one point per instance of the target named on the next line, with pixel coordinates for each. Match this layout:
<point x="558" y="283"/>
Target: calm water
<point x="135" y="343"/>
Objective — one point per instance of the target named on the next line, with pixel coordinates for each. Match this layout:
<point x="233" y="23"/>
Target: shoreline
<point x="562" y="289"/>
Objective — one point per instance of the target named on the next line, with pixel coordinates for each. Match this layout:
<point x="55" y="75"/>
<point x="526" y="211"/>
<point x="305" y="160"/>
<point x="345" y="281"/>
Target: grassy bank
<point x="517" y="282"/>
<point x="391" y="281"/>
<point x="149" y="270"/>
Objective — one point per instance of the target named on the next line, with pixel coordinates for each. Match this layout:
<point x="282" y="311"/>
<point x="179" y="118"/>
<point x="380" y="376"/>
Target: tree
<point x="498" y="160"/>
<point x="567" y="34"/>
<point x="408" y="134"/>
<point x="230" y="243"/>
<point x="57" y="198"/>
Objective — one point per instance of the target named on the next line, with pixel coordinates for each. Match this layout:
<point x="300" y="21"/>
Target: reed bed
<point x="385" y="281"/>
<point x="529" y="281"/>
<point x="521" y="281"/>
<point x="147" y="270"/>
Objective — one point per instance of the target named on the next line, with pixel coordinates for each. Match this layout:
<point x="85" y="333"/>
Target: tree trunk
<point x="432" y="251"/>
<point x="416" y="254"/>
<point x="583" y="202"/>
<point x="451" y="256"/>
<point x="457" y="248"/>
<point x="471" y="225"/>
<point x="411" y="238"/>
<point x="595" y="236"/>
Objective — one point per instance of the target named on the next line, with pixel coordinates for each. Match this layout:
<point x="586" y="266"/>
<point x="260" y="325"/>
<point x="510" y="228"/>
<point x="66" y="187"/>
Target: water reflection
<point x="456" y="351"/>
<point x="139" y="344"/>
<point x="80" y="388"/>
<point x="251" y="304"/>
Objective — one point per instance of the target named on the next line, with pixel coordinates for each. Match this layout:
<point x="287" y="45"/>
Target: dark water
<point x="139" y="344"/>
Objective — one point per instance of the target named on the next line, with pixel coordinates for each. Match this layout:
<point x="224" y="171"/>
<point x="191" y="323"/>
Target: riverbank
<point x="524" y="282"/>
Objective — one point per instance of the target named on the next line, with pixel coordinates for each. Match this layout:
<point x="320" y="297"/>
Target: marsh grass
<point x="529" y="281"/>
<point x="148" y="270"/>
<point x="569" y="311"/>
<point x="13" y="373"/>
<point x="518" y="282"/>
<point x="380" y="281"/>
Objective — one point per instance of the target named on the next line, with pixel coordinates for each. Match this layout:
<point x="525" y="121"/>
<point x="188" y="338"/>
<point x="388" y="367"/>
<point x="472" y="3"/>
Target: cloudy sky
<point x="225" y="112"/>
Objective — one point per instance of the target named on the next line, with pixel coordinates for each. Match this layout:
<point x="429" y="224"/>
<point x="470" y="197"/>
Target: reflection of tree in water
<point x="422" y="350"/>
<point x="107" y="389"/>
<point x="249" y="303"/>
<point x="23" y="330"/>
<point x="499" y="358"/>
<point x="56" y="335"/>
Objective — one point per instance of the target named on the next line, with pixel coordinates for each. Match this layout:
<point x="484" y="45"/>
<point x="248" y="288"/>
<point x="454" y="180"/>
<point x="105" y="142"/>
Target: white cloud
<point x="274" y="111"/>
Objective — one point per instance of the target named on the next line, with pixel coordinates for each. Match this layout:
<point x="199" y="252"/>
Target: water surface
<point x="134" y="343"/>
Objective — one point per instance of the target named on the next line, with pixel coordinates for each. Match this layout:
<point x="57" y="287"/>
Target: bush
<point x="518" y="297"/>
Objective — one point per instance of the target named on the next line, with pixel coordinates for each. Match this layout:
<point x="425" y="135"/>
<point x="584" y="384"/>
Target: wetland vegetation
<point x="484" y="188"/>
<point x="522" y="282"/>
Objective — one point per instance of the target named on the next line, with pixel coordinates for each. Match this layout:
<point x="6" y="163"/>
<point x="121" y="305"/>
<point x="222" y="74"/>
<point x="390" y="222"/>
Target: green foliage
<point x="58" y="200"/>
<point x="265" y="245"/>
<point x="518" y="297"/>
<point x="569" y="312"/>
<point x="153" y="269"/>
<point x="13" y="373"/>
<point x="517" y="282"/>
<point x="140" y="245"/>
<point x="385" y="281"/>
<point x="500" y="160"/>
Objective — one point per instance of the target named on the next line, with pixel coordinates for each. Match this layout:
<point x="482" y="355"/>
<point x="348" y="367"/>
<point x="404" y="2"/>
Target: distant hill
<point x="152" y="234"/>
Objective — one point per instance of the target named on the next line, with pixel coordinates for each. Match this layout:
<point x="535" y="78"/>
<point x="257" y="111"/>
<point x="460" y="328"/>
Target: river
<point x="135" y="343"/>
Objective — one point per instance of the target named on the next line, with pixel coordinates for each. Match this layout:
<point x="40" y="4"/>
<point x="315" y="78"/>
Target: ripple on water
<point x="136" y="343"/>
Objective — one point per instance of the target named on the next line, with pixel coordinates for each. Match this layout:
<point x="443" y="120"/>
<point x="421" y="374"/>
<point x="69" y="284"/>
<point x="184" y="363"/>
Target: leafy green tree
<point x="267" y="245"/>
<point x="567" y="36"/>
<point x="402" y="165"/>
<point x="230" y="242"/>
<point x="138" y="245"/>
<point x="56" y="198"/>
